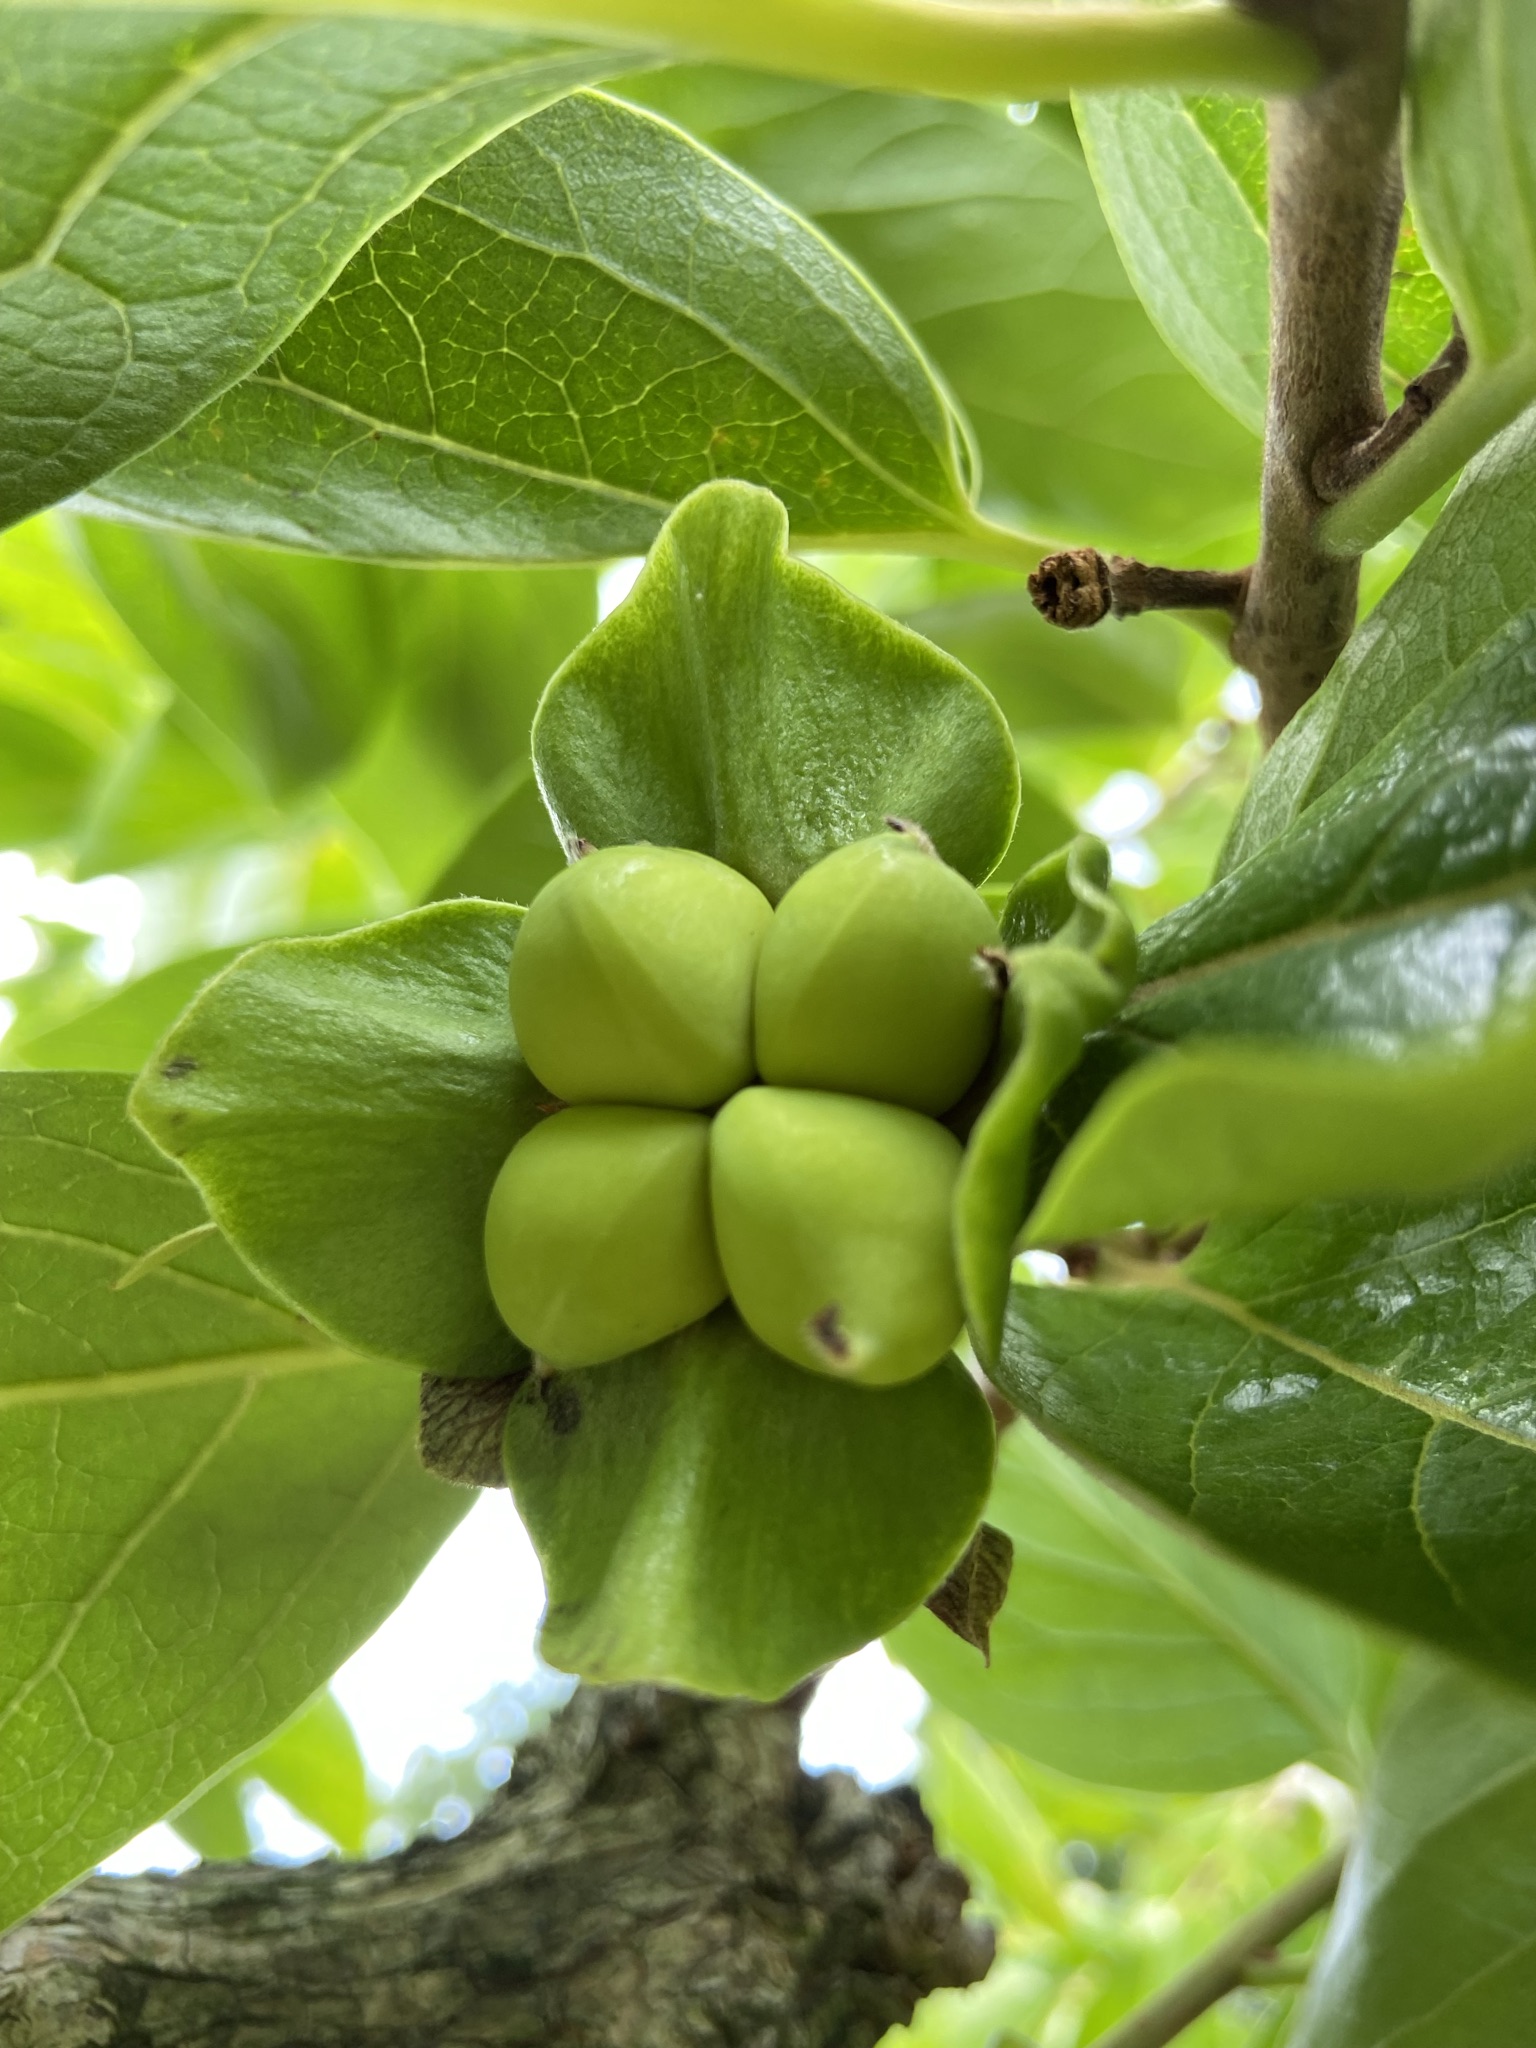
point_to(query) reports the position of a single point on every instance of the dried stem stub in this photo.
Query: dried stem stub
(1079, 587)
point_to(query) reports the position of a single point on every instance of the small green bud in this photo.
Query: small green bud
(598, 1237)
(832, 1214)
(631, 980)
(872, 979)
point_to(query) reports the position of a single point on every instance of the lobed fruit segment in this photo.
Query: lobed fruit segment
(631, 980)
(832, 1217)
(870, 980)
(598, 1238)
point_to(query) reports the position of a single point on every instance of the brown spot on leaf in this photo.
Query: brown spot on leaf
(178, 1068)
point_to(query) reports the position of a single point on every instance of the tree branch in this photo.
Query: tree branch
(1078, 587)
(1339, 471)
(1335, 205)
(658, 1873)
(1225, 1966)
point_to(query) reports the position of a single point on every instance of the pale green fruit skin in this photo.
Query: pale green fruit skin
(832, 1201)
(631, 980)
(869, 981)
(598, 1238)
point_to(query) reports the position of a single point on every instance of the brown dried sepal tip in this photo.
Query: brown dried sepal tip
(994, 961)
(1073, 589)
(969, 1600)
(909, 829)
(461, 1426)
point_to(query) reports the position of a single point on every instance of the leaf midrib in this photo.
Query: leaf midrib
(1516, 882)
(244, 40)
(126, 1384)
(654, 294)
(125, 1549)
(458, 450)
(1170, 1280)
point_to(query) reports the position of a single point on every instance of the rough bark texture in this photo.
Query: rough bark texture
(1335, 202)
(657, 1873)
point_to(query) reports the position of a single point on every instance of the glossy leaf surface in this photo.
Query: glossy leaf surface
(206, 1506)
(522, 365)
(1349, 1006)
(984, 232)
(180, 187)
(1341, 1393)
(1433, 1941)
(344, 1105)
(1475, 572)
(711, 1516)
(1127, 1654)
(745, 705)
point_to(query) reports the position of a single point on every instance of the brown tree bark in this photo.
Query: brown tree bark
(657, 1873)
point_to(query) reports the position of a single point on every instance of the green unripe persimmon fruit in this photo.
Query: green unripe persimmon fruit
(871, 980)
(598, 1238)
(632, 976)
(832, 1217)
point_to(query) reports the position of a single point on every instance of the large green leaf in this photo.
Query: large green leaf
(709, 1515)
(744, 704)
(522, 365)
(1127, 1654)
(1341, 1393)
(206, 1506)
(1475, 572)
(180, 187)
(1349, 1009)
(985, 234)
(1471, 162)
(1182, 182)
(1190, 229)
(344, 1104)
(1433, 1941)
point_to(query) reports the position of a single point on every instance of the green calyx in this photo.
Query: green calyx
(649, 984)
(598, 1238)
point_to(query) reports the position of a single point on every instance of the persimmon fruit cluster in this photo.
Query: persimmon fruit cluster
(745, 1104)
